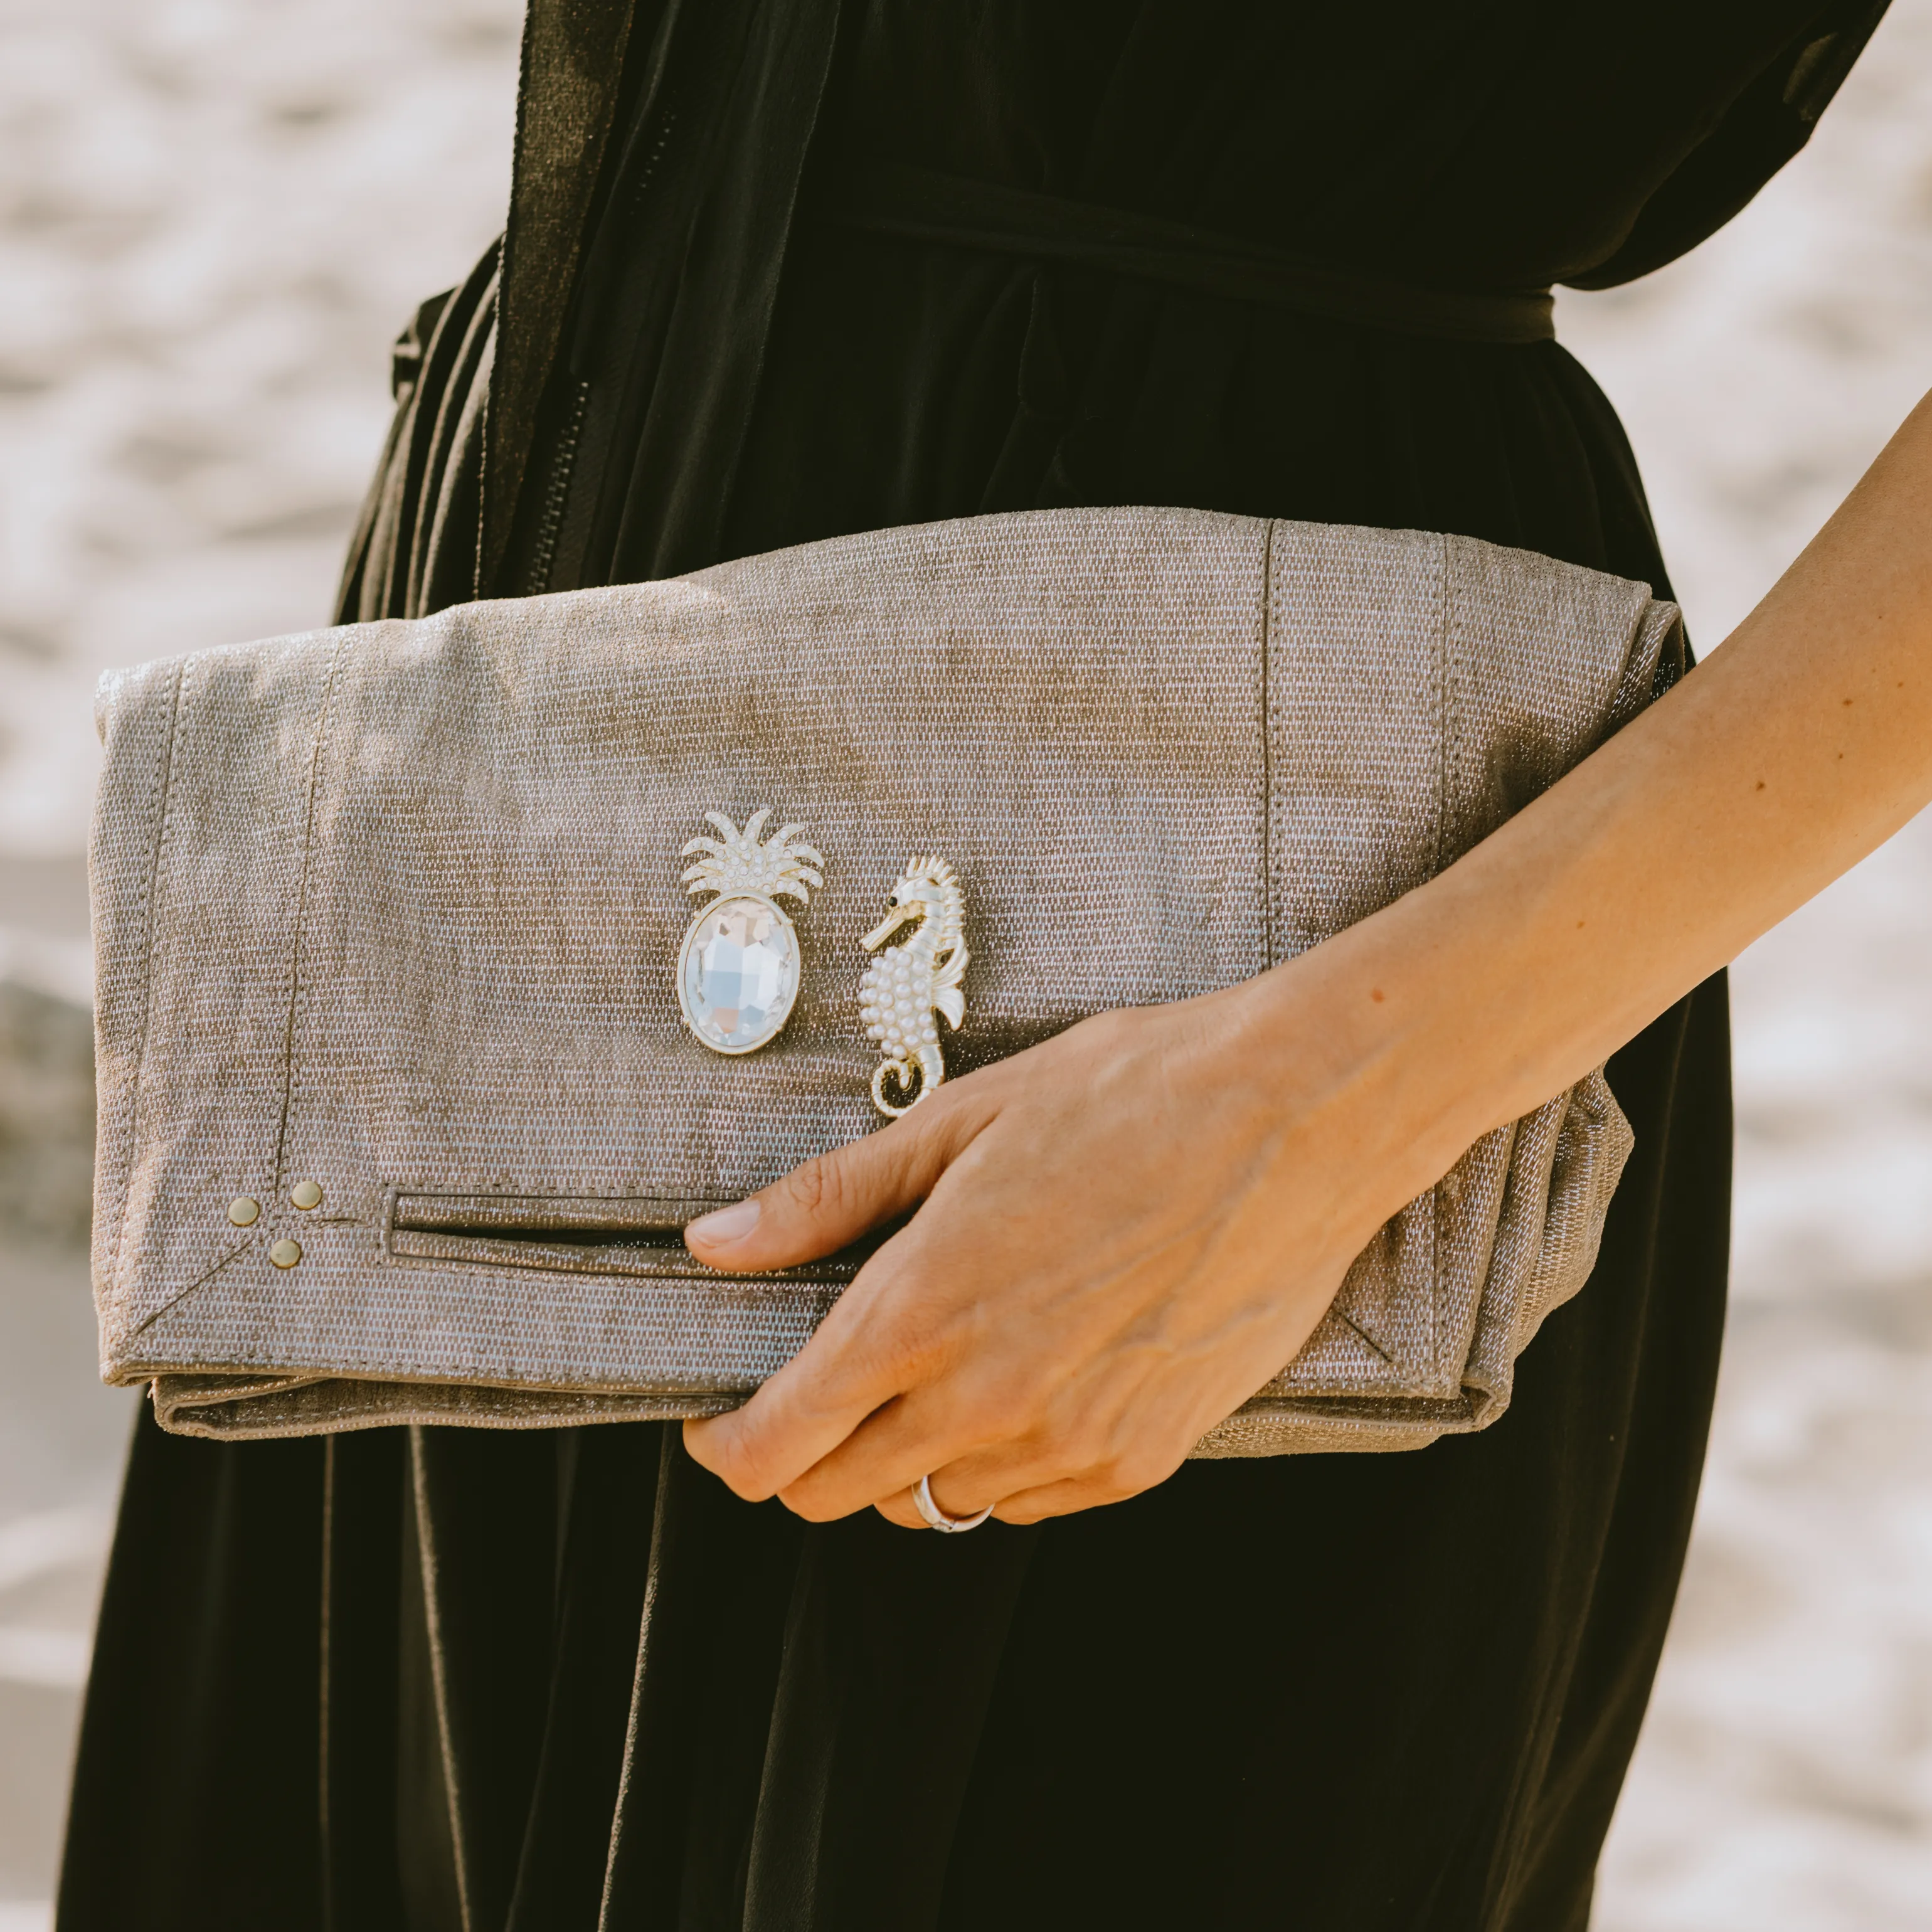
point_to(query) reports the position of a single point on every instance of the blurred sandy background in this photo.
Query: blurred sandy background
(213, 216)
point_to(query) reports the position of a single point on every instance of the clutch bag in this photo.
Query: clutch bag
(446, 967)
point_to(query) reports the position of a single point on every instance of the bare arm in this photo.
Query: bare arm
(1127, 1230)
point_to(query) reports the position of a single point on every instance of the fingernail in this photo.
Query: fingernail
(727, 1224)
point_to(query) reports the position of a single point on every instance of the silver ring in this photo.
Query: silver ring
(936, 1517)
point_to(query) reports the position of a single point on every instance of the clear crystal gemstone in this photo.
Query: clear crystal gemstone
(740, 974)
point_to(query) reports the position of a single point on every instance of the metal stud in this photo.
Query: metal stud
(286, 1253)
(244, 1212)
(306, 1194)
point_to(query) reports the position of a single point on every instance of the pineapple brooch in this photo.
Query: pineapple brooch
(738, 971)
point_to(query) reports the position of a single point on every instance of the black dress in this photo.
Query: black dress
(446, 1679)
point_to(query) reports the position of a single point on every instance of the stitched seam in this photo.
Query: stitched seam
(405, 1190)
(1349, 1321)
(150, 894)
(343, 1365)
(1267, 749)
(242, 1420)
(202, 1280)
(385, 1226)
(1448, 757)
(295, 989)
(1368, 1341)
(262, 1383)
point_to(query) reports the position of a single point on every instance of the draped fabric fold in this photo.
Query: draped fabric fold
(415, 544)
(922, 204)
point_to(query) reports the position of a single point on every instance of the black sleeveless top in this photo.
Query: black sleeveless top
(755, 291)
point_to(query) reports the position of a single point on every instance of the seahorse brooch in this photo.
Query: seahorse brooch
(909, 987)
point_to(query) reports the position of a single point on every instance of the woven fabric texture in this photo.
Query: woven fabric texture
(395, 909)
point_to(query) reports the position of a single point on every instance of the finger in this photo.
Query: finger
(972, 1450)
(853, 1367)
(757, 1451)
(897, 1508)
(819, 1208)
(901, 1507)
(890, 1448)
(902, 1368)
(1092, 1489)
(1067, 1497)
(1040, 1473)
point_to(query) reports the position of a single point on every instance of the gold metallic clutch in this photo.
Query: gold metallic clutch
(416, 1053)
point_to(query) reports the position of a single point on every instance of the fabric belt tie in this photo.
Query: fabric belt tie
(921, 205)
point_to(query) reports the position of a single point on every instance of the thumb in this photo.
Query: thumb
(832, 1200)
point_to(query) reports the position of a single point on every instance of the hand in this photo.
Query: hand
(1124, 1232)
(1127, 1230)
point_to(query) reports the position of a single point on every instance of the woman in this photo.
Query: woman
(775, 272)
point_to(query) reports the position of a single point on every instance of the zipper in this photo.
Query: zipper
(570, 435)
(556, 492)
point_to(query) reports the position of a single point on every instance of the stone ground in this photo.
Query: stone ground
(214, 214)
